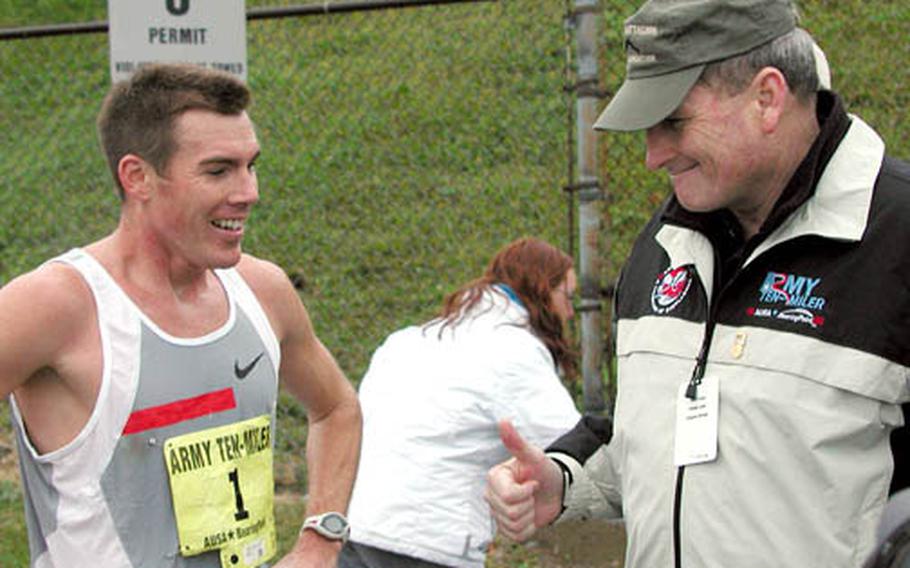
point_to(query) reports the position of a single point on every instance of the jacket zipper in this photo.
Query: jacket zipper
(677, 502)
(697, 374)
(701, 362)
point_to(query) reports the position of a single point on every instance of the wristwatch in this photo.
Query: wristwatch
(331, 525)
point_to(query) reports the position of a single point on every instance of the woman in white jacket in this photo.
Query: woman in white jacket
(432, 398)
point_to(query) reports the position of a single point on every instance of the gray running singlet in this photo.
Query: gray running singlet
(167, 416)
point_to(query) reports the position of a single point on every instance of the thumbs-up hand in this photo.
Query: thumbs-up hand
(524, 492)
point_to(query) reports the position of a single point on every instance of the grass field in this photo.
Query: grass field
(401, 149)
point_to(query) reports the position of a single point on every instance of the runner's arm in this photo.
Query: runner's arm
(50, 352)
(310, 373)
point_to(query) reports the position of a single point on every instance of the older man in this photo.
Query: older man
(763, 314)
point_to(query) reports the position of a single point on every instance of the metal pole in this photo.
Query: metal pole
(590, 200)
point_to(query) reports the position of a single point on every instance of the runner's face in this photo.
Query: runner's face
(208, 188)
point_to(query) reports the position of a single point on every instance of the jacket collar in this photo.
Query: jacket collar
(833, 125)
(839, 208)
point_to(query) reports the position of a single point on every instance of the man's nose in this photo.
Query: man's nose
(658, 146)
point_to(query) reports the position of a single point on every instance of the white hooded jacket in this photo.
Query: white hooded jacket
(431, 404)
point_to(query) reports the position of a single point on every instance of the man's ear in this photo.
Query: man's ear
(136, 177)
(771, 90)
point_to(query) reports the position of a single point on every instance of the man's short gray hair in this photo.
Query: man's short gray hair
(791, 53)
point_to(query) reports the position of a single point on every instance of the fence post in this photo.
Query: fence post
(590, 204)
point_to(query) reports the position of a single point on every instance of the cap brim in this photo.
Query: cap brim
(643, 102)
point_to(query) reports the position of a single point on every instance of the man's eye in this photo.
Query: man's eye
(674, 123)
(217, 172)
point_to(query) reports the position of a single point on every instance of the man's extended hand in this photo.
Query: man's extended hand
(525, 492)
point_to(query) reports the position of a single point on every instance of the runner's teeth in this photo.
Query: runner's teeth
(229, 224)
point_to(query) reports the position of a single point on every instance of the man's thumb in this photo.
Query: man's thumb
(520, 449)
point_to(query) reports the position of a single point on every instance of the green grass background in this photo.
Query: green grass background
(401, 149)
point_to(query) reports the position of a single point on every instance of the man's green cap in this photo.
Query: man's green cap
(669, 42)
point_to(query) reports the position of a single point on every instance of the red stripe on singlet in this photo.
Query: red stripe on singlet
(180, 410)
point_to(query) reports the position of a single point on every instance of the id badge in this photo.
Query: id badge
(696, 423)
(223, 492)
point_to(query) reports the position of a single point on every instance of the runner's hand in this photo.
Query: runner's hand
(311, 551)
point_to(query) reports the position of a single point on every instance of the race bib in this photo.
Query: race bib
(223, 491)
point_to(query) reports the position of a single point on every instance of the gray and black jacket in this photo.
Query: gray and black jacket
(806, 327)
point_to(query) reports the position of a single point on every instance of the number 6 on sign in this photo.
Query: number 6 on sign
(223, 492)
(178, 8)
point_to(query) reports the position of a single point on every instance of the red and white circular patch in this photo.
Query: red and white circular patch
(670, 288)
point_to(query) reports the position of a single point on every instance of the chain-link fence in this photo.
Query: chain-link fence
(401, 147)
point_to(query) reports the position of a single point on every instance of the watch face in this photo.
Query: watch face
(334, 523)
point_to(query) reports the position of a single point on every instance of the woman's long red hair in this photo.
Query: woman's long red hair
(533, 269)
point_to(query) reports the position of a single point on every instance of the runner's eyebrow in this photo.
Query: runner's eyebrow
(224, 160)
